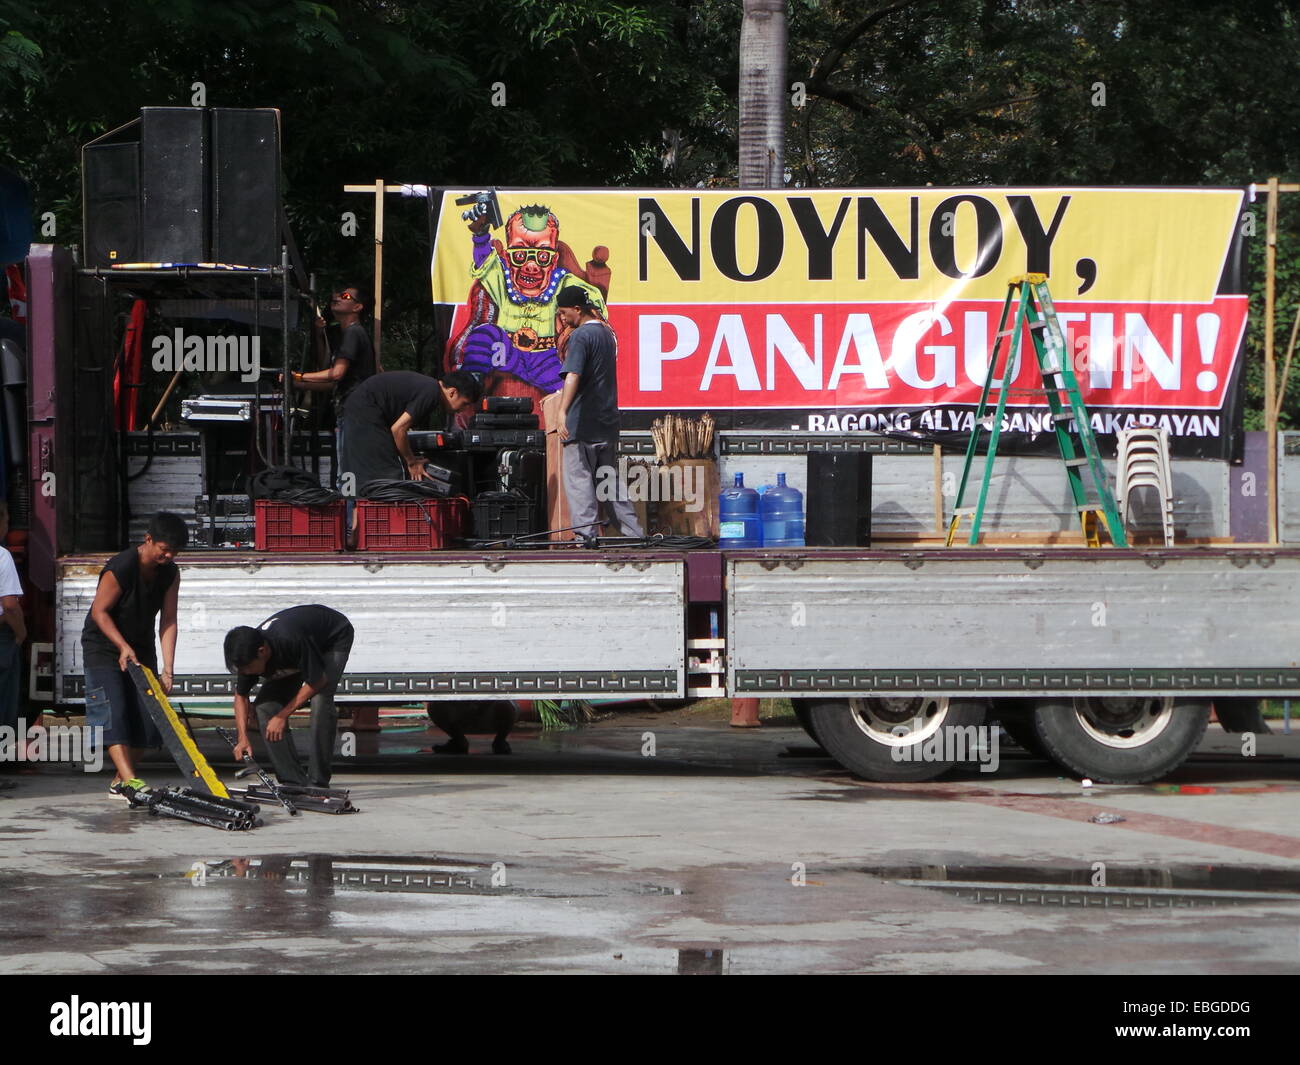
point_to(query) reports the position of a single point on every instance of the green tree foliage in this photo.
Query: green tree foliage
(474, 93)
(598, 92)
(1109, 92)
(1021, 91)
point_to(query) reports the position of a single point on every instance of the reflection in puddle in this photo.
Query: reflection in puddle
(700, 962)
(359, 874)
(1103, 885)
(324, 873)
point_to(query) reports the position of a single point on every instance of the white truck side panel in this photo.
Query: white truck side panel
(944, 623)
(429, 629)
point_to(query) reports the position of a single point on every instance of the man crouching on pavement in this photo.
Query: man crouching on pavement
(300, 655)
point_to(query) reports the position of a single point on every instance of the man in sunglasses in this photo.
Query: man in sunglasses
(353, 362)
(353, 358)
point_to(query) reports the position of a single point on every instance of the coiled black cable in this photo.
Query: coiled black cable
(288, 484)
(310, 496)
(675, 543)
(658, 541)
(386, 491)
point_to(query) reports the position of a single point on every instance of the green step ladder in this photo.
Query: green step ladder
(1033, 309)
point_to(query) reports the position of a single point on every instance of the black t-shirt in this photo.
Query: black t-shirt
(135, 613)
(592, 355)
(385, 397)
(356, 349)
(300, 637)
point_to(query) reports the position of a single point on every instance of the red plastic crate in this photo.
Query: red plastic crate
(298, 526)
(425, 526)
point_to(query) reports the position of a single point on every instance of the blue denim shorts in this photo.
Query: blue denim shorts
(113, 704)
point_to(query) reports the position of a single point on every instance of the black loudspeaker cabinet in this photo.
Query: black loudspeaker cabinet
(524, 470)
(174, 199)
(507, 404)
(504, 421)
(110, 202)
(839, 499)
(246, 186)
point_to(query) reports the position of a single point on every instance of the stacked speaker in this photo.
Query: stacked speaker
(184, 185)
(839, 499)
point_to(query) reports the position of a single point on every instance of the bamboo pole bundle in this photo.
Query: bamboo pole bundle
(678, 437)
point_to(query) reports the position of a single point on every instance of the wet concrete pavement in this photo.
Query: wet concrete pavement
(728, 851)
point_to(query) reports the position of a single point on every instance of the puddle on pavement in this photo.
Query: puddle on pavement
(1103, 885)
(437, 876)
(708, 962)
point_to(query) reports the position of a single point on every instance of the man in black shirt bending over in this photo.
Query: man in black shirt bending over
(299, 655)
(382, 410)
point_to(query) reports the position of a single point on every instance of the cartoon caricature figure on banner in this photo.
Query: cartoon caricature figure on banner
(832, 311)
(514, 336)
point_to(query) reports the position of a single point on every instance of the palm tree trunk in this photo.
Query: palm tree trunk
(762, 95)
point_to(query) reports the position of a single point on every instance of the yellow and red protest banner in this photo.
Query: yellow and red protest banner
(861, 309)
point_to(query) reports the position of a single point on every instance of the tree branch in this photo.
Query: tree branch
(844, 97)
(831, 57)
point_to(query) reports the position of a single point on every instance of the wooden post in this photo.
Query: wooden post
(939, 525)
(1270, 368)
(377, 190)
(1286, 366)
(163, 402)
(1272, 402)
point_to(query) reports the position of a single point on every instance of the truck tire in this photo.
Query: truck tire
(1016, 716)
(803, 712)
(1121, 740)
(1021, 731)
(1237, 714)
(863, 734)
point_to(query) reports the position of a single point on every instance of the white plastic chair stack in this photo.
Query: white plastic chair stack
(1143, 462)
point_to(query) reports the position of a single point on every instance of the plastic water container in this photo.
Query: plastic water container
(782, 513)
(739, 522)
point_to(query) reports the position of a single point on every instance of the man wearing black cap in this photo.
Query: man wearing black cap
(589, 417)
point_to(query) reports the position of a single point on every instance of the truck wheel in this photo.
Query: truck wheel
(1021, 730)
(1121, 740)
(1236, 714)
(803, 712)
(868, 736)
(1016, 716)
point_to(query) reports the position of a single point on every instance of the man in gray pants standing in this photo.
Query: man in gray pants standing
(299, 655)
(589, 418)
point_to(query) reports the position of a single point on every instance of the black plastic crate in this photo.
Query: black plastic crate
(502, 518)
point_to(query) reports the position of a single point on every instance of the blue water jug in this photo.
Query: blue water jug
(782, 513)
(739, 523)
